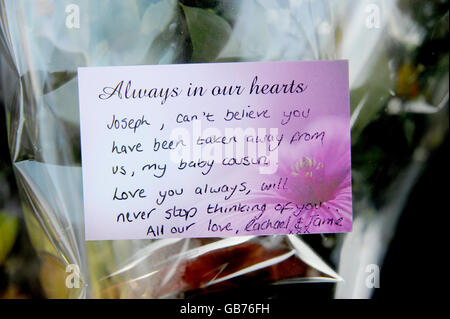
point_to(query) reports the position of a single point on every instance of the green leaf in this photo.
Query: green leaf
(9, 228)
(170, 41)
(55, 80)
(157, 17)
(209, 33)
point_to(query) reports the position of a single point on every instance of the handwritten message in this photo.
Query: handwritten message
(215, 150)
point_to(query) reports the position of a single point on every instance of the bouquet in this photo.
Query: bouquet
(399, 105)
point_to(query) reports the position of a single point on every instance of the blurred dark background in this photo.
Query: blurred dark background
(19, 264)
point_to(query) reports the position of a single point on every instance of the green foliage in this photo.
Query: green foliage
(9, 227)
(170, 42)
(209, 33)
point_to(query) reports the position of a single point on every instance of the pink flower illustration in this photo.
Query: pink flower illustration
(316, 176)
